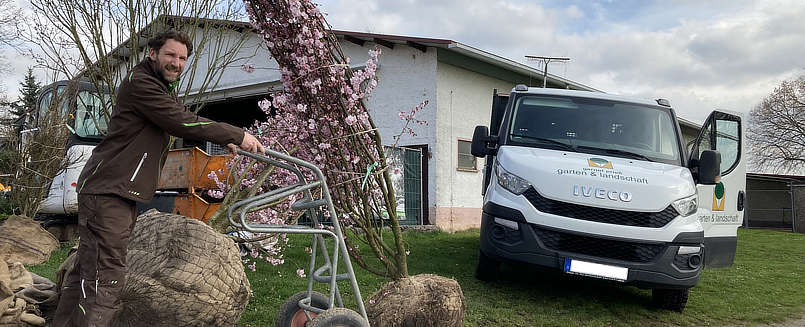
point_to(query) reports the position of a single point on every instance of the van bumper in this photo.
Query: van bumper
(650, 264)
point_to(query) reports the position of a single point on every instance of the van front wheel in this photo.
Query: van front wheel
(487, 268)
(670, 299)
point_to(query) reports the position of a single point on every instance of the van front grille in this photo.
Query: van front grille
(601, 215)
(598, 247)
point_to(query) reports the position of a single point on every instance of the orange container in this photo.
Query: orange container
(187, 169)
(193, 206)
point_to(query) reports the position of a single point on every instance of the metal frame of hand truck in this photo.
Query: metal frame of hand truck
(307, 203)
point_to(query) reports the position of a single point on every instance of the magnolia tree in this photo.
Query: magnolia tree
(320, 116)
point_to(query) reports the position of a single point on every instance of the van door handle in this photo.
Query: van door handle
(741, 197)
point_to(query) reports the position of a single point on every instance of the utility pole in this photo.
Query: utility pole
(545, 62)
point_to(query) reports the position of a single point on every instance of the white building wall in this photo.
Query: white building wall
(234, 81)
(406, 78)
(464, 101)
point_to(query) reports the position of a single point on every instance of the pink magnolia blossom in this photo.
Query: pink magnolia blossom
(351, 120)
(249, 68)
(264, 105)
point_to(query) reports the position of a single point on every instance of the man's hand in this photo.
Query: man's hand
(249, 143)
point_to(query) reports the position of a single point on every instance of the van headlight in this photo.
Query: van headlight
(509, 181)
(686, 206)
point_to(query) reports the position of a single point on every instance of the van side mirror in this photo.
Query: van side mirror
(480, 142)
(709, 167)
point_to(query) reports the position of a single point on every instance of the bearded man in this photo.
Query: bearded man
(124, 169)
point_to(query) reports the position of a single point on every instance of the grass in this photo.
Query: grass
(51, 267)
(764, 285)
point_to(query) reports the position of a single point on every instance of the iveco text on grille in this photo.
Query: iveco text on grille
(601, 193)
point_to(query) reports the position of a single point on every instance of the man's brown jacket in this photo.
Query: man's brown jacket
(129, 159)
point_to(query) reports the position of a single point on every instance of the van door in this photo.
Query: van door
(721, 205)
(499, 103)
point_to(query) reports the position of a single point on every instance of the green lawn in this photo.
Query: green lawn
(49, 268)
(765, 285)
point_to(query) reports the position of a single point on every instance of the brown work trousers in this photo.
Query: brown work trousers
(90, 294)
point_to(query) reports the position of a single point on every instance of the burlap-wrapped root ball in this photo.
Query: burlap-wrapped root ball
(417, 301)
(182, 273)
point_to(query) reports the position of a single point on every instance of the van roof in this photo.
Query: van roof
(586, 94)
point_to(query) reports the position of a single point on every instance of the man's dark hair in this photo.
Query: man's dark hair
(158, 40)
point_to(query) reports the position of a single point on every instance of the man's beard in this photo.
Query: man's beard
(164, 70)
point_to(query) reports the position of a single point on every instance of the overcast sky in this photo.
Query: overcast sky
(701, 55)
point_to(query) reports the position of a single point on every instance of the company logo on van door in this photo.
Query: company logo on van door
(603, 169)
(718, 216)
(588, 191)
(719, 197)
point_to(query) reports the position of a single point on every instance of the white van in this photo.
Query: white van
(603, 186)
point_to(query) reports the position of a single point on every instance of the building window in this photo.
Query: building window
(466, 161)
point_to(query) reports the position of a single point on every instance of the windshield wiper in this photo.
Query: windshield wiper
(547, 140)
(617, 152)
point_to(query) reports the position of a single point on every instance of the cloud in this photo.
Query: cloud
(489, 22)
(16, 66)
(725, 61)
(700, 55)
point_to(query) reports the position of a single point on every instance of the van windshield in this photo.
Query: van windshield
(595, 126)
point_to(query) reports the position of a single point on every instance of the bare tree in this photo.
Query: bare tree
(8, 18)
(100, 41)
(9, 15)
(38, 158)
(777, 129)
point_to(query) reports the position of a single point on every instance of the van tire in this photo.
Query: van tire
(487, 268)
(670, 299)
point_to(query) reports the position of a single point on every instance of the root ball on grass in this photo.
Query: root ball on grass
(182, 273)
(421, 301)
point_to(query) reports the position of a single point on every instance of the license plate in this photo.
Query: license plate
(584, 268)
